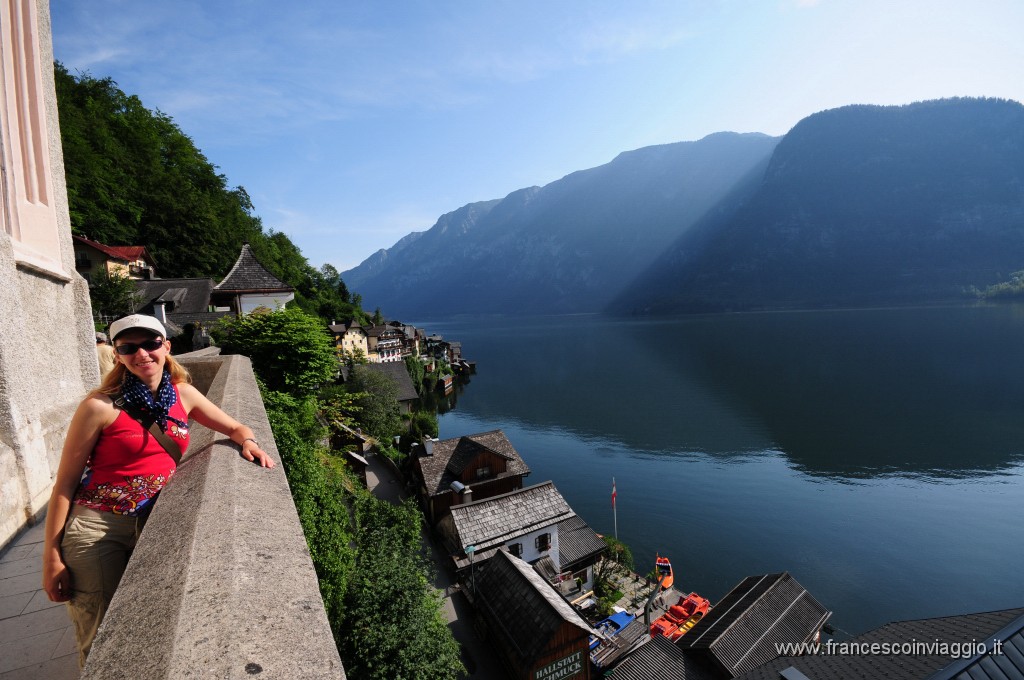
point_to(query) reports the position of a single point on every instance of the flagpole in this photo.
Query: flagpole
(615, 510)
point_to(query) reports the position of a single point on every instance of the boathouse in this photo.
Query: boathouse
(743, 631)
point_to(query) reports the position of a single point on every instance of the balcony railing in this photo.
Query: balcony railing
(221, 583)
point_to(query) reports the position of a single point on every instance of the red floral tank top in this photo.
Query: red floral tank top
(128, 466)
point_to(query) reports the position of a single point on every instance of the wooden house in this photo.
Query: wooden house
(474, 467)
(537, 634)
(133, 262)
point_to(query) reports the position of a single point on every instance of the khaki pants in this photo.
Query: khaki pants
(96, 548)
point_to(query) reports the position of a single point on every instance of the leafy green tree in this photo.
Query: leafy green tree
(422, 424)
(290, 350)
(617, 558)
(337, 405)
(112, 295)
(394, 616)
(416, 372)
(380, 416)
(355, 357)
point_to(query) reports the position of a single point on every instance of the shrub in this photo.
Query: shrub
(290, 350)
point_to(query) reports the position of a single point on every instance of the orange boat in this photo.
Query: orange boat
(681, 617)
(664, 568)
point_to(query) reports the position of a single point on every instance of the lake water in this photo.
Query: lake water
(876, 455)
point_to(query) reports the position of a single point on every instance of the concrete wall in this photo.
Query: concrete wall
(221, 583)
(47, 352)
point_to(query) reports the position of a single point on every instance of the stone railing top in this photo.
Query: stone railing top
(221, 583)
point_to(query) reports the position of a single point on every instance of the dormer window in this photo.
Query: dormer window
(483, 472)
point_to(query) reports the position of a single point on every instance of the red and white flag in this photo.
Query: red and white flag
(613, 492)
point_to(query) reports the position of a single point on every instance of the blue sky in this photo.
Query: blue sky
(352, 123)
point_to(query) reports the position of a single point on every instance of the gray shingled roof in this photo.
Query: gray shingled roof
(661, 659)
(1002, 662)
(742, 631)
(438, 475)
(524, 610)
(577, 542)
(950, 629)
(496, 520)
(249, 276)
(397, 371)
(188, 296)
(377, 331)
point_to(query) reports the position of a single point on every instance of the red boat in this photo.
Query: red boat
(664, 568)
(681, 617)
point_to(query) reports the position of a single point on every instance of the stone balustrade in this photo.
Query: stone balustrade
(221, 583)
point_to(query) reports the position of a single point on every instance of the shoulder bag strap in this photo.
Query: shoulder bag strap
(169, 446)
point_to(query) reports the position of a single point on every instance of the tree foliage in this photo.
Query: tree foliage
(396, 628)
(618, 558)
(320, 499)
(290, 350)
(112, 295)
(416, 371)
(381, 416)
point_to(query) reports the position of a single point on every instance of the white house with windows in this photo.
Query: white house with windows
(535, 524)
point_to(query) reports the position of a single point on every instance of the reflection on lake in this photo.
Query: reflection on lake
(877, 455)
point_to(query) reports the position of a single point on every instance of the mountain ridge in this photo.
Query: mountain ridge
(567, 246)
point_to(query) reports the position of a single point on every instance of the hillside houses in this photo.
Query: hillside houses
(181, 302)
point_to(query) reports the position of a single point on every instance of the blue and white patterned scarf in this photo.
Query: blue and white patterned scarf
(136, 393)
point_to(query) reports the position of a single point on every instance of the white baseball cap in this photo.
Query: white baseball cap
(150, 323)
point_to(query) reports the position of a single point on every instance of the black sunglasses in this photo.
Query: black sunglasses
(131, 347)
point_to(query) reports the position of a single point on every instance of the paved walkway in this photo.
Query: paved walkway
(36, 636)
(479, 659)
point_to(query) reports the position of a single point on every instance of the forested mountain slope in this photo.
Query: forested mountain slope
(862, 205)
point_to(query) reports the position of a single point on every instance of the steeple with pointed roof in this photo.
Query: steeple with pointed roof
(249, 276)
(250, 285)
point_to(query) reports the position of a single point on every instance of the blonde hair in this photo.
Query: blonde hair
(111, 385)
